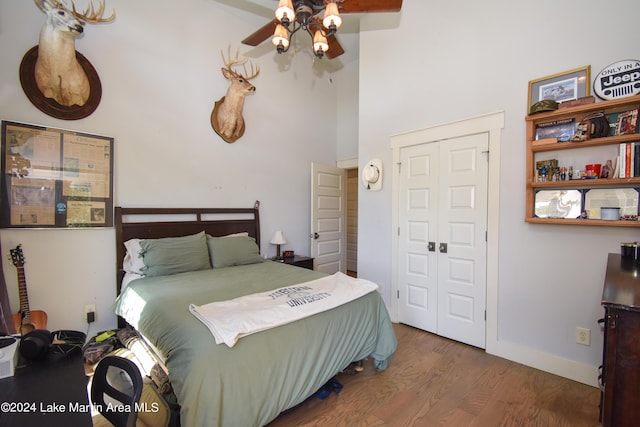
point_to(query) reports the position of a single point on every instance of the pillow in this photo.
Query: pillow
(172, 255)
(132, 262)
(244, 233)
(233, 250)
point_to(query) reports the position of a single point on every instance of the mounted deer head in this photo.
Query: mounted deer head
(58, 74)
(226, 117)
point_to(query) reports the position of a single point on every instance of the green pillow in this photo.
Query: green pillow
(172, 255)
(233, 250)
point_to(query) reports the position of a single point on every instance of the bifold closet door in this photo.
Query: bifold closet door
(442, 237)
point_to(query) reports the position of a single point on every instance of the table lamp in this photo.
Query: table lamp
(278, 239)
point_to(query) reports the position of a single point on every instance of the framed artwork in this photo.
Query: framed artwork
(55, 178)
(627, 122)
(624, 198)
(558, 203)
(566, 86)
(563, 130)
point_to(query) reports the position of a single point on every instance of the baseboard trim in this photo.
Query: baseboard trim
(576, 371)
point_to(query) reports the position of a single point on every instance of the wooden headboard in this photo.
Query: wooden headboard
(154, 223)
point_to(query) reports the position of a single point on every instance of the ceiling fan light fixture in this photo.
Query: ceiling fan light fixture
(284, 12)
(332, 19)
(280, 38)
(309, 16)
(320, 45)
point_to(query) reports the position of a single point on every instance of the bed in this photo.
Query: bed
(263, 374)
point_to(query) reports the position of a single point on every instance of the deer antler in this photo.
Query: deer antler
(91, 14)
(232, 62)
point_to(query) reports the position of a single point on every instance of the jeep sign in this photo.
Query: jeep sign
(618, 80)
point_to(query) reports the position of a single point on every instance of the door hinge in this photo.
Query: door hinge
(485, 315)
(398, 294)
(399, 166)
(398, 231)
(486, 236)
(487, 153)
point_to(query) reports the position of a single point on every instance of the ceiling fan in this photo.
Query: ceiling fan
(305, 17)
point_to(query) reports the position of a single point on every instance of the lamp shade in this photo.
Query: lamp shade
(280, 36)
(285, 10)
(278, 238)
(320, 43)
(331, 16)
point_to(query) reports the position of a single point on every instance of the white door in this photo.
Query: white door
(328, 218)
(442, 243)
(418, 216)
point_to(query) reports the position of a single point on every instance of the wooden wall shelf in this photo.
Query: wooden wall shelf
(576, 113)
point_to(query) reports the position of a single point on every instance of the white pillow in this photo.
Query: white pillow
(133, 262)
(242, 234)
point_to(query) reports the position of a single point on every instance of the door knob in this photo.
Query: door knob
(431, 246)
(316, 236)
(443, 248)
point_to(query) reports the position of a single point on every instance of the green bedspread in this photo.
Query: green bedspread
(264, 373)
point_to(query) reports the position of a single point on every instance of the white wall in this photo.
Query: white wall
(347, 105)
(159, 64)
(444, 61)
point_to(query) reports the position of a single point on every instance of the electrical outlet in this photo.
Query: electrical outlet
(90, 312)
(90, 308)
(583, 336)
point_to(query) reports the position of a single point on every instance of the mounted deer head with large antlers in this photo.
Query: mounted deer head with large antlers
(226, 117)
(58, 74)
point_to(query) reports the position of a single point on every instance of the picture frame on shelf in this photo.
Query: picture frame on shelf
(624, 198)
(546, 169)
(627, 122)
(561, 203)
(566, 86)
(563, 130)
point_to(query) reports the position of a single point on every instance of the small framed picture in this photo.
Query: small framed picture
(563, 130)
(566, 86)
(627, 122)
(558, 203)
(624, 198)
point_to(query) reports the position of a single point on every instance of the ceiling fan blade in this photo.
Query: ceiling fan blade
(261, 34)
(364, 6)
(335, 49)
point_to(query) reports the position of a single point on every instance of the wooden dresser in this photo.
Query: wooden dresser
(620, 378)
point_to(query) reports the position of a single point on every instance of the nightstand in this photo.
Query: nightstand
(298, 261)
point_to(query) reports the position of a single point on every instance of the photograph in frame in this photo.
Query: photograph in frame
(561, 87)
(627, 122)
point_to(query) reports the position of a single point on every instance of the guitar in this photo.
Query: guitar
(25, 320)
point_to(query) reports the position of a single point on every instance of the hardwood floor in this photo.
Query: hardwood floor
(435, 381)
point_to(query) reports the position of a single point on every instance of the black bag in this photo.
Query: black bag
(592, 126)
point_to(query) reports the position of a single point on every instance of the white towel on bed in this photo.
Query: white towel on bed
(231, 320)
